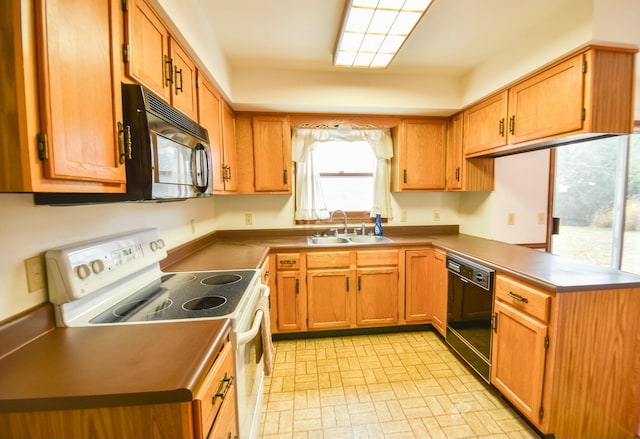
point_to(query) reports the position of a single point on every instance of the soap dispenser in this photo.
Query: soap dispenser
(377, 229)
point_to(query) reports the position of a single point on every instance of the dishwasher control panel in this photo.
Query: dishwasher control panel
(470, 271)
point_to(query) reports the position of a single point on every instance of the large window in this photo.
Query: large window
(346, 175)
(342, 169)
(597, 201)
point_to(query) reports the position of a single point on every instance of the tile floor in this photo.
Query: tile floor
(403, 385)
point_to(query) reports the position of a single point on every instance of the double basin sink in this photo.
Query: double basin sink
(347, 240)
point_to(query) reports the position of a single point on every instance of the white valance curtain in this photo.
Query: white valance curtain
(310, 203)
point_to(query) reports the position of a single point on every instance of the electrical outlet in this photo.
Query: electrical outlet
(436, 215)
(192, 223)
(511, 218)
(35, 273)
(542, 218)
(248, 219)
(403, 216)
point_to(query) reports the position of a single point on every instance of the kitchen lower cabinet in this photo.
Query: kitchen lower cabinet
(556, 357)
(520, 341)
(211, 414)
(418, 300)
(330, 290)
(518, 359)
(377, 287)
(51, 138)
(439, 290)
(290, 292)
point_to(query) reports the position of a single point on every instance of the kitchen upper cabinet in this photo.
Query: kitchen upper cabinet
(217, 117)
(330, 290)
(585, 95)
(53, 140)
(155, 59)
(230, 163)
(184, 81)
(485, 125)
(419, 157)
(291, 292)
(147, 46)
(465, 174)
(272, 154)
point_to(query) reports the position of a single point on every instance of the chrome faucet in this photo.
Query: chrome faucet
(345, 219)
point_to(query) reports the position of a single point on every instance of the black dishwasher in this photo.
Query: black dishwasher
(469, 313)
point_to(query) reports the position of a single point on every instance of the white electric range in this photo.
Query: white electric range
(117, 280)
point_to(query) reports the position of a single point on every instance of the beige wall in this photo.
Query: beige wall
(27, 230)
(521, 190)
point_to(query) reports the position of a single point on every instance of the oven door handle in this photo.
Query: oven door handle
(245, 337)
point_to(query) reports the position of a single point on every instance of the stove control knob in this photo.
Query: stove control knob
(157, 244)
(97, 266)
(83, 271)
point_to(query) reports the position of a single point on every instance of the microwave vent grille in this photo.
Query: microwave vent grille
(161, 109)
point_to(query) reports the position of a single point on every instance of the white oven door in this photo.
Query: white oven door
(249, 369)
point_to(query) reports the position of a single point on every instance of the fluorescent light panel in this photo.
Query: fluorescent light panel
(374, 30)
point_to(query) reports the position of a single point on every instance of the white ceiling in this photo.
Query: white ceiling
(276, 55)
(452, 38)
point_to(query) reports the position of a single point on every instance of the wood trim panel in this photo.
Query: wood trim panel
(154, 421)
(596, 385)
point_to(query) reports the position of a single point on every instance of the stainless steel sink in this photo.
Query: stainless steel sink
(369, 239)
(346, 240)
(320, 240)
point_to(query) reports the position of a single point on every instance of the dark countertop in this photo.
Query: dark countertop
(110, 365)
(547, 271)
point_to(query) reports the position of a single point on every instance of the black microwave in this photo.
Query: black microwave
(170, 155)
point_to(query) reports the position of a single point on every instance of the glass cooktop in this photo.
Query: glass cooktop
(182, 296)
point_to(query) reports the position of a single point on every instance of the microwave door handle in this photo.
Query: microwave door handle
(200, 152)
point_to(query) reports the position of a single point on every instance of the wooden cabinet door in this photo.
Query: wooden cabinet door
(230, 161)
(290, 301)
(80, 96)
(271, 154)
(377, 296)
(210, 117)
(548, 104)
(184, 81)
(329, 294)
(421, 154)
(485, 125)
(225, 424)
(418, 295)
(518, 359)
(439, 287)
(147, 40)
(455, 157)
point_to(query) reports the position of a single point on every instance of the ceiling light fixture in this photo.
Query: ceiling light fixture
(373, 31)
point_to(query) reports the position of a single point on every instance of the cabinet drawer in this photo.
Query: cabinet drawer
(523, 297)
(288, 261)
(215, 390)
(376, 257)
(225, 425)
(328, 259)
